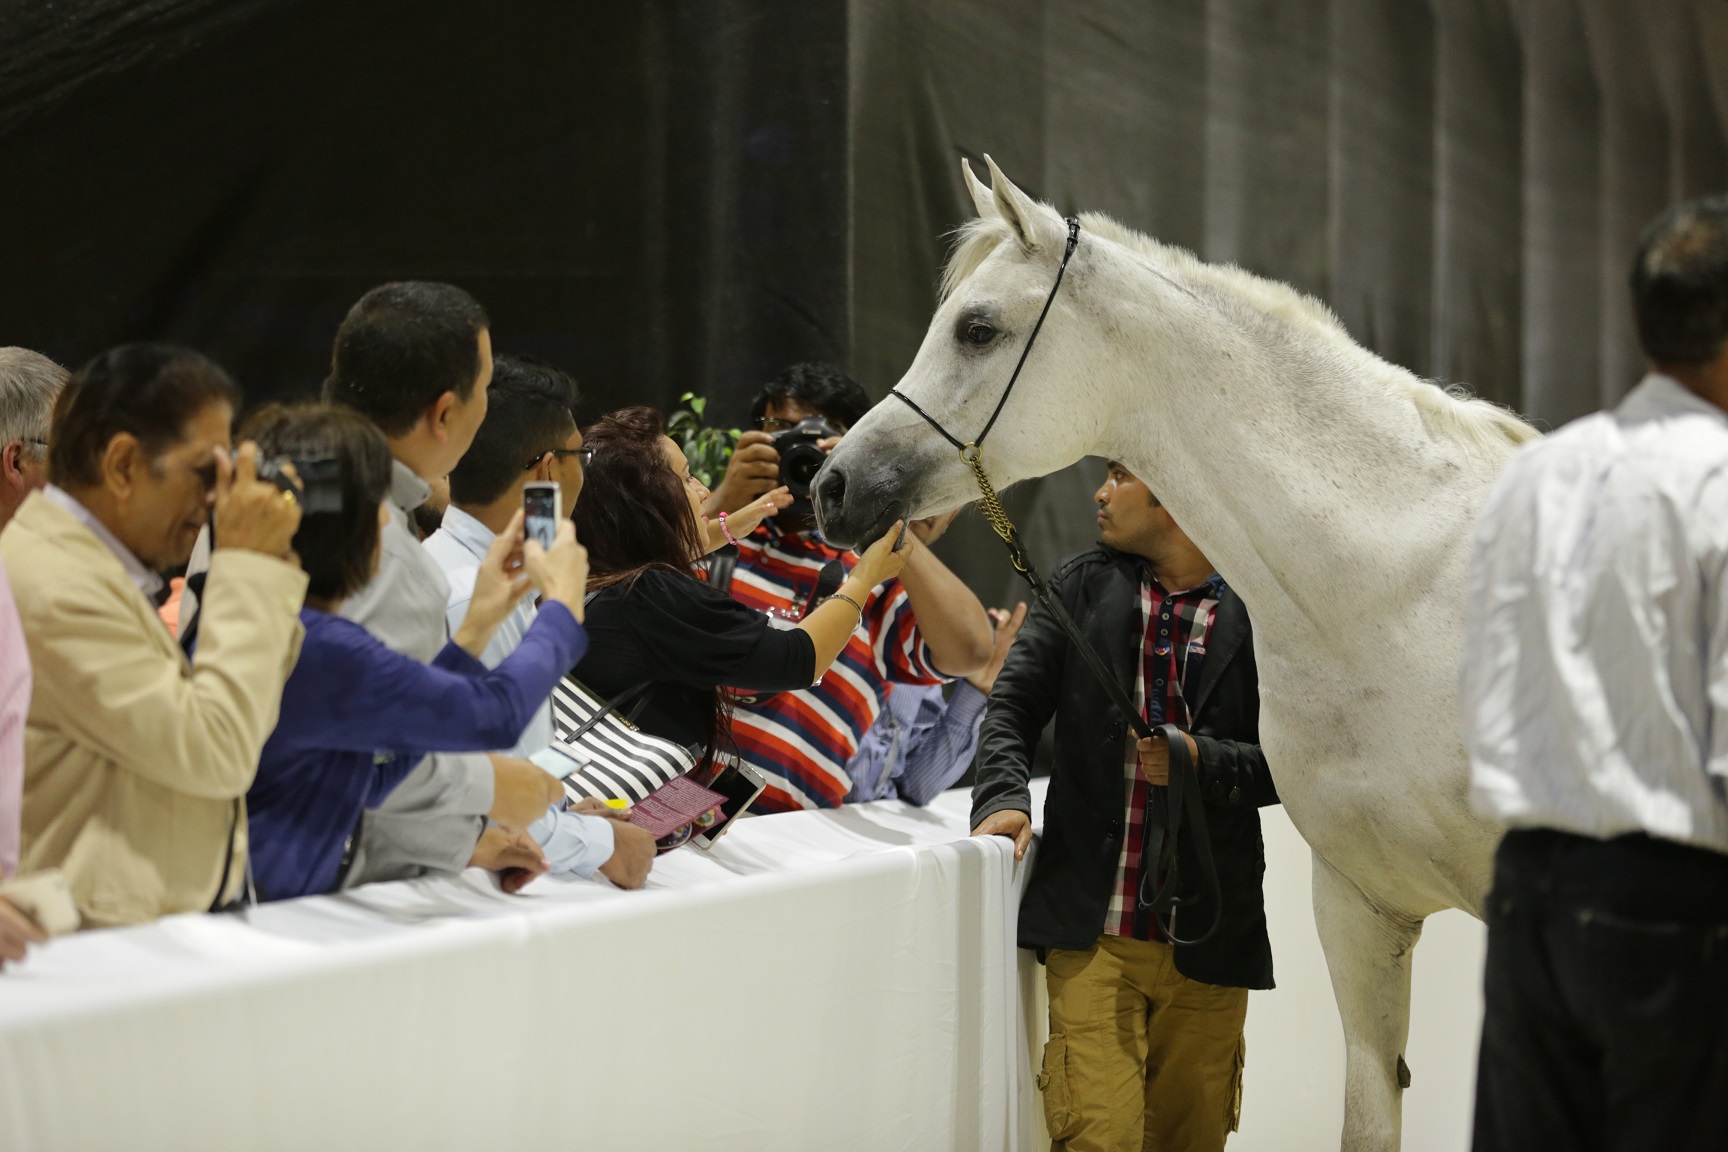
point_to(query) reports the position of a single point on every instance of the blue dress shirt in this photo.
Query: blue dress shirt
(356, 717)
(919, 745)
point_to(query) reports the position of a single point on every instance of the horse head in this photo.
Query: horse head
(894, 463)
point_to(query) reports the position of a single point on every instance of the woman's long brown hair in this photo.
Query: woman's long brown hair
(634, 516)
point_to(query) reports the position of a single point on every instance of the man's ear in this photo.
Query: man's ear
(12, 464)
(543, 466)
(438, 415)
(123, 464)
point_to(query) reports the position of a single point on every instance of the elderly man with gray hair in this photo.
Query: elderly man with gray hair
(29, 385)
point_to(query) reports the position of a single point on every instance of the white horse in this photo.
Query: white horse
(1334, 491)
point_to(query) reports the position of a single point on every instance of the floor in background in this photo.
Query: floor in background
(1294, 1095)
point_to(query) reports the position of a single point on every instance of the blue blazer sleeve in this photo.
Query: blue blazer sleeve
(350, 693)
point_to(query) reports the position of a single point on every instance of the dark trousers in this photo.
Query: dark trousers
(1607, 996)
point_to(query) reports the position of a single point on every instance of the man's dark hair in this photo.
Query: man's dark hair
(1680, 283)
(336, 549)
(528, 413)
(152, 391)
(401, 347)
(822, 386)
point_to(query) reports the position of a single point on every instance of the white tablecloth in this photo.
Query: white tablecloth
(836, 980)
(839, 980)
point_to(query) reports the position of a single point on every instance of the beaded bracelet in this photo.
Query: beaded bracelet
(727, 532)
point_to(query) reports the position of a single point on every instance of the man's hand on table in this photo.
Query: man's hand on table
(632, 854)
(1009, 822)
(17, 932)
(512, 855)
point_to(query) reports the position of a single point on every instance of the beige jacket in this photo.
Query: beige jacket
(136, 762)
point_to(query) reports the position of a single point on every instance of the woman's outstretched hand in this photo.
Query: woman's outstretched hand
(881, 561)
(747, 519)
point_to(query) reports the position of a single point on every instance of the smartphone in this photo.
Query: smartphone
(740, 784)
(542, 508)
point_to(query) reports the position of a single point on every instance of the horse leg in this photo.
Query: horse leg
(1368, 953)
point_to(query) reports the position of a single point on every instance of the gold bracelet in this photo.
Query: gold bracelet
(848, 599)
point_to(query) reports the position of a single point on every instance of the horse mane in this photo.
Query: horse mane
(1451, 412)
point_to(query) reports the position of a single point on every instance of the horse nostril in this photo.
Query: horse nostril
(832, 489)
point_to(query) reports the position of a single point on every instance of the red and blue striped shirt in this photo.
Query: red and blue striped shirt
(800, 741)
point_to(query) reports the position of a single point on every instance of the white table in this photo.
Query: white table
(835, 980)
(838, 980)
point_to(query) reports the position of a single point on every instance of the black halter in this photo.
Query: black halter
(1183, 793)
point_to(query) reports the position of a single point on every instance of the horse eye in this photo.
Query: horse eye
(979, 332)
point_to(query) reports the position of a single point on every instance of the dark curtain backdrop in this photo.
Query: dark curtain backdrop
(686, 195)
(1462, 180)
(651, 194)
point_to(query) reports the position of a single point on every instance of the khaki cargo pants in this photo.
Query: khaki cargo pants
(1140, 1056)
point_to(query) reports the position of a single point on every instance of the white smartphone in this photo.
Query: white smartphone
(44, 897)
(740, 784)
(542, 508)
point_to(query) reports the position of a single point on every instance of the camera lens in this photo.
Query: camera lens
(799, 464)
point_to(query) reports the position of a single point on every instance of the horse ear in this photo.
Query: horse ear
(981, 198)
(1013, 206)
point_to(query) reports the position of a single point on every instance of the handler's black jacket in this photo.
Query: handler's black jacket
(1074, 870)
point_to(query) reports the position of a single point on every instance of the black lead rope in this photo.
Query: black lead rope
(1181, 797)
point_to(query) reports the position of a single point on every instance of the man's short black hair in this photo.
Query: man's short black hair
(336, 549)
(401, 347)
(152, 391)
(1680, 284)
(822, 386)
(529, 412)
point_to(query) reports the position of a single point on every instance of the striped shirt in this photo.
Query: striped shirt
(1172, 652)
(800, 741)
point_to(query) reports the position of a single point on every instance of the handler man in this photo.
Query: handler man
(1146, 1042)
(1595, 703)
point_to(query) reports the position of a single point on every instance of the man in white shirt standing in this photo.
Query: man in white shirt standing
(1595, 700)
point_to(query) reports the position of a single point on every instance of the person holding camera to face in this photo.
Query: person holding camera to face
(925, 627)
(138, 758)
(357, 716)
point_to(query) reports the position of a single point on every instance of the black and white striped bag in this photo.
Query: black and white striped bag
(609, 757)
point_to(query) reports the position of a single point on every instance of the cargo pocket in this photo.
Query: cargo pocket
(1235, 1116)
(1059, 1114)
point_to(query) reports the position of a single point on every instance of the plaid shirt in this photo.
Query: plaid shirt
(1172, 653)
(801, 741)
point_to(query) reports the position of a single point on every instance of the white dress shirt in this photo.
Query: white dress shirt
(1594, 689)
(572, 843)
(458, 546)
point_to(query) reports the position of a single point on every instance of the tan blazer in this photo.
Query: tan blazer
(136, 763)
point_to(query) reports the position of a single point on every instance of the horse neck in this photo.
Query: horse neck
(1314, 488)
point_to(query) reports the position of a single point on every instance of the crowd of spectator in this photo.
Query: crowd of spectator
(321, 651)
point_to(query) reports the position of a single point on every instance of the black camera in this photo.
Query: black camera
(800, 459)
(320, 487)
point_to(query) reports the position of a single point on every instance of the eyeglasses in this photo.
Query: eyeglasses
(583, 456)
(773, 424)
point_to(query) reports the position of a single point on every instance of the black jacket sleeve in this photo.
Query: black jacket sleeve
(1233, 774)
(1021, 704)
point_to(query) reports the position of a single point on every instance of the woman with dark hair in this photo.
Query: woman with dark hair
(356, 717)
(654, 619)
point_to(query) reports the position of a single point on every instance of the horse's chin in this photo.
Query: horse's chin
(855, 529)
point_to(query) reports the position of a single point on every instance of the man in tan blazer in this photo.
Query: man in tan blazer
(136, 760)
